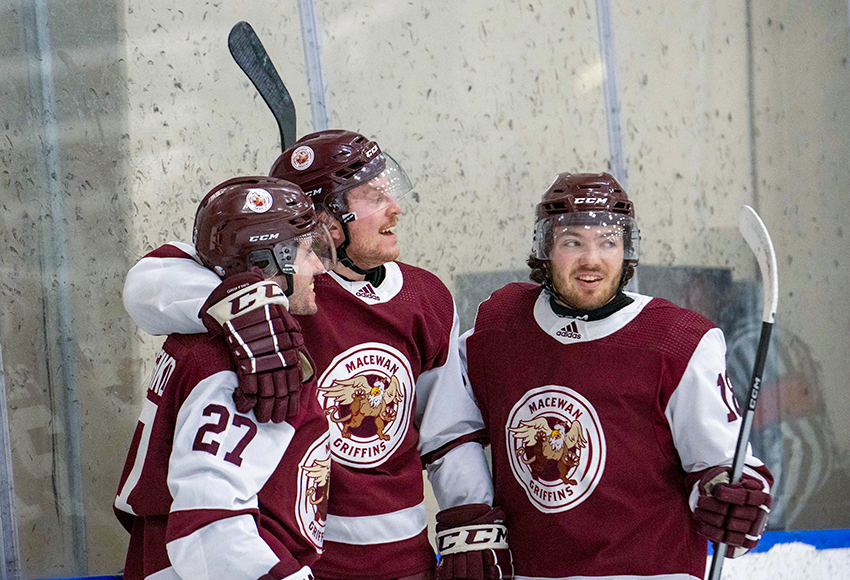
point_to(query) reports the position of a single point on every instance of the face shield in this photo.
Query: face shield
(375, 189)
(307, 255)
(610, 231)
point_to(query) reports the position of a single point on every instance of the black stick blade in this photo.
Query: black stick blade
(251, 56)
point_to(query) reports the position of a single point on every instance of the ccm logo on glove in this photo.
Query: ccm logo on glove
(466, 538)
(246, 300)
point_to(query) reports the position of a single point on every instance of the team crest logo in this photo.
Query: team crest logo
(556, 447)
(302, 158)
(367, 393)
(258, 200)
(311, 508)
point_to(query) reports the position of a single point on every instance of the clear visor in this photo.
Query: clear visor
(578, 231)
(307, 255)
(389, 187)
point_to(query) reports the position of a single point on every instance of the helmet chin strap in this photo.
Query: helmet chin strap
(373, 275)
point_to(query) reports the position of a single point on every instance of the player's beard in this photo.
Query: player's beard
(303, 298)
(575, 296)
(370, 248)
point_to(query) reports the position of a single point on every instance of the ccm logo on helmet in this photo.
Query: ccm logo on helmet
(264, 237)
(313, 192)
(579, 200)
(372, 150)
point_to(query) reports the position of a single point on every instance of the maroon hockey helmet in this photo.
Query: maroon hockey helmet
(328, 164)
(585, 199)
(262, 222)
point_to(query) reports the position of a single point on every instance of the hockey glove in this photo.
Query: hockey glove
(732, 513)
(265, 342)
(472, 542)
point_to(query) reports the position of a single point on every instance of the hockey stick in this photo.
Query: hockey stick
(757, 238)
(252, 58)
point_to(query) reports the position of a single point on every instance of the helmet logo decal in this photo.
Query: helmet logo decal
(302, 157)
(372, 150)
(556, 447)
(258, 200)
(367, 394)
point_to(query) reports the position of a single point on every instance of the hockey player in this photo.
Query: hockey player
(206, 492)
(390, 380)
(612, 422)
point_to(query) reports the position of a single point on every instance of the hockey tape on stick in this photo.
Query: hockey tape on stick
(471, 538)
(251, 56)
(758, 239)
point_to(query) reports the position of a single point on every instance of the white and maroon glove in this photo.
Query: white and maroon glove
(473, 543)
(265, 342)
(732, 513)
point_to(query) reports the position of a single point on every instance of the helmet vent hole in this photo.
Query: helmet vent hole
(347, 172)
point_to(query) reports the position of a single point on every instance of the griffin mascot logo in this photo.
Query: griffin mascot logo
(556, 447)
(311, 509)
(367, 393)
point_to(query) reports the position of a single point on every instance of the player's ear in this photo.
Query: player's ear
(334, 227)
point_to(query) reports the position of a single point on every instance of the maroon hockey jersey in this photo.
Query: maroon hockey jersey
(206, 491)
(376, 362)
(594, 427)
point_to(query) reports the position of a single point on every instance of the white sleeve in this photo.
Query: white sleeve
(464, 364)
(446, 411)
(220, 460)
(164, 295)
(461, 476)
(702, 413)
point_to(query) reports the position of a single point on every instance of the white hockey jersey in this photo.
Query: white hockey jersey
(206, 492)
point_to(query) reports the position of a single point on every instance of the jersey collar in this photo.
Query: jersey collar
(570, 330)
(370, 293)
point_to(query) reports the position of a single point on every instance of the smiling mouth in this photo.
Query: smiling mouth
(590, 278)
(386, 232)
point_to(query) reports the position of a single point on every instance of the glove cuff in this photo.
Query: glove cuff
(471, 538)
(242, 300)
(471, 527)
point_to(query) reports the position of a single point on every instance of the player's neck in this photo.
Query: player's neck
(348, 273)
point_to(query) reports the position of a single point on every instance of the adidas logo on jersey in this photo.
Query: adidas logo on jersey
(368, 292)
(570, 331)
